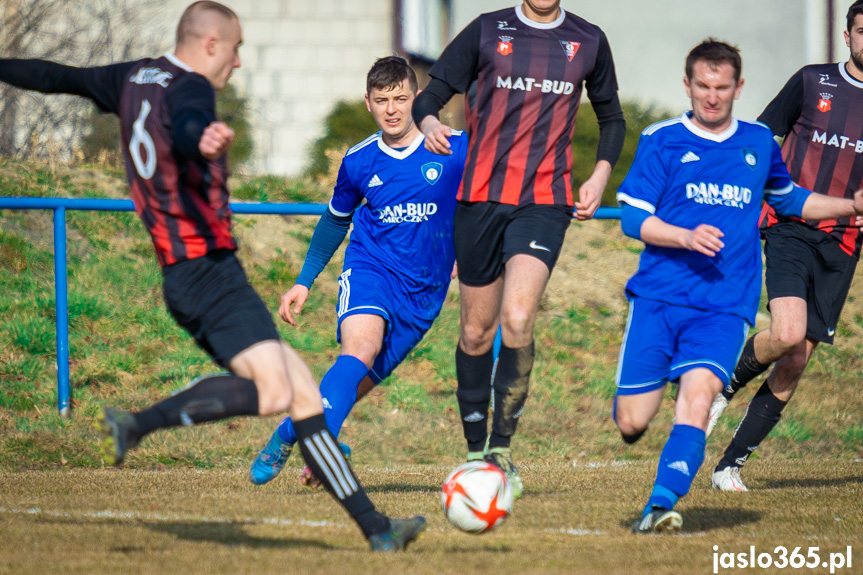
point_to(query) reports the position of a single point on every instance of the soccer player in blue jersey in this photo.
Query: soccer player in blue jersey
(400, 256)
(693, 196)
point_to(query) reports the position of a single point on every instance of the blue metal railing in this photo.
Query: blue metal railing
(61, 286)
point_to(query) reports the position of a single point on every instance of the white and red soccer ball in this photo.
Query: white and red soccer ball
(476, 497)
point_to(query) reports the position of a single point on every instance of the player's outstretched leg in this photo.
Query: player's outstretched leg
(208, 398)
(339, 392)
(681, 458)
(511, 384)
(327, 462)
(762, 415)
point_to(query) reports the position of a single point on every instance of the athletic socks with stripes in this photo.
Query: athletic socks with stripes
(762, 415)
(325, 459)
(681, 458)
(209, 398)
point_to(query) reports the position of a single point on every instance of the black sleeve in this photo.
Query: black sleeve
(612, 129)
(192, 103)
(102, 84)
(601, 84)
(782, 113)
(452, 74)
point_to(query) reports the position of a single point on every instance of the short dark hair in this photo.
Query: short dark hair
(715, 52)
(184, 27)
(389, 72)
(855, 10)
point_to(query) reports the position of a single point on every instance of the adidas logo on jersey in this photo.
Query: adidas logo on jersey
(680, 466)
(326, 403)
(375, 181)
(689, 157)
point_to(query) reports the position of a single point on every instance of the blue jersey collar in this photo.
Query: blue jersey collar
(720, 137)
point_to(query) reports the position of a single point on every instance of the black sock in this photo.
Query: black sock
(474, 373)
(208, 398)
(748, 368)
(630, 439)
(511, 383)
(762, 415)
(323, 456)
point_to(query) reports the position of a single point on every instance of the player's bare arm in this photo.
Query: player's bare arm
(293, 300)
(436, 136)
(821, 207)
(590, 192)
(216, 140)
(704, 239)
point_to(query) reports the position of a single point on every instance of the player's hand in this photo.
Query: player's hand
(296, 297)
(590, 192)
(454, 274)
(858, 207)
(705, 240)
(437, 136)
(216, 140)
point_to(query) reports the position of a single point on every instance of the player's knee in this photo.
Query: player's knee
(518, 322)
(629, 425)
(274, 397)
(476, 339)
(786, 339)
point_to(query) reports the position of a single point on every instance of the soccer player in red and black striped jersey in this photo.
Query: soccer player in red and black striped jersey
(810, 264)
(175, 153)
(522, 70)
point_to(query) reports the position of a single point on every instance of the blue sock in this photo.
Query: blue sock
(681, 458)
(339, 391)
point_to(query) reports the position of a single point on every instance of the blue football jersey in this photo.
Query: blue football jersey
(687, 176)
(405, 225)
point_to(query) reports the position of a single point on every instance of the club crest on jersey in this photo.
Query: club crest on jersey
(824, 102)
(750, 157)
(569, 48)
(505, 45)
(432, 172)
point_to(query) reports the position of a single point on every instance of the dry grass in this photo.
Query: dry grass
(573, 518)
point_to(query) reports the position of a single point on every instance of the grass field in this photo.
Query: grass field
(183, 503)
(573, 519)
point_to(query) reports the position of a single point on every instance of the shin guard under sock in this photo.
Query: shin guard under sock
(475, 373)
(748, 368)
(208, 398)
(511, 383)
(762, 415)
(325, 459)
(681, 458)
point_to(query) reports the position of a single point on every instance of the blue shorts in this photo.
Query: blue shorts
(369, 291)
(664, 341)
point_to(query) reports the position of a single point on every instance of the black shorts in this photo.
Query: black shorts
(211, 298)
(809, 264)
(488, 234)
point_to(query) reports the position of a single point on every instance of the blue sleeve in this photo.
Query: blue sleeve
(647, 178)
(631, 219)
(779, 191)
(346, 196)
(328, 236)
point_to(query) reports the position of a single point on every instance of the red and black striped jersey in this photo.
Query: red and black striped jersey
(820, 114)
(182, 201)
(523, 82)
(163, 108)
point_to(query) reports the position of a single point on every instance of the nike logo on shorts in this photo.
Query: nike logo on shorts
(830, 332)
(536, 246)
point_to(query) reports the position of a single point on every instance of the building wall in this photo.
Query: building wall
(650, 41)
(298, 59)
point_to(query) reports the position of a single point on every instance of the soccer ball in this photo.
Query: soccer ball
(476, 497)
